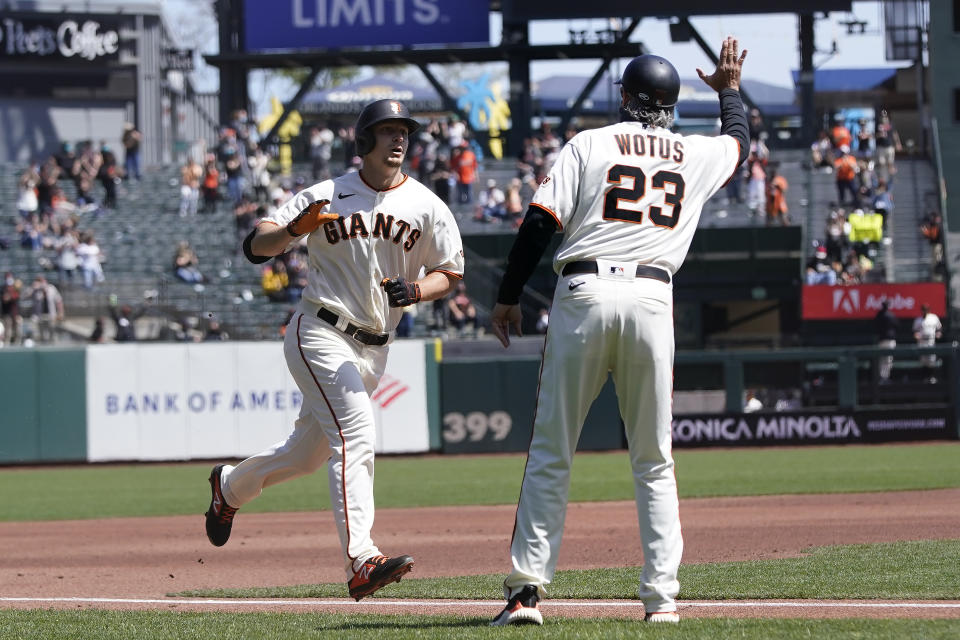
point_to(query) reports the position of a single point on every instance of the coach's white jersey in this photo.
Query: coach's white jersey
(638, 192)
(380, 234)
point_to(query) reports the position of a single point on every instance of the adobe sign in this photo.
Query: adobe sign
(860, 302)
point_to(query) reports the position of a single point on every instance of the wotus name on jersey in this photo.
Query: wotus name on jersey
(770, 428)
(385, 227)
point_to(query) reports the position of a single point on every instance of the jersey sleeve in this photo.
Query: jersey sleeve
(717, 160)
(560, 189)
(446, 255)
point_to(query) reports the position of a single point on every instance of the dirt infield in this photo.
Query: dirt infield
(134, 563)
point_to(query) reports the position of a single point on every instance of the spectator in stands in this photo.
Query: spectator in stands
(840, 134)
(191, 175)
(124, 319)
(97, 334)
(855, 267)
(513, 203)
(883, 201)
(465, 167)
(820, 269)
(49, 174)
(10, 309)
(186, 265)
(888, 145)
(47, 310)
(777, 210)
(67, 161)
(751, 403)
(864, 140)
(297, 268)
(274, 281)
(68, 260)
(845, 169)
(758, 130)
(821, 152)
(461, 310)
(932, 229)
(885, 324)
(90, 162)
(90, 256)
(440, 177)
(543, 320)
(27, 202)
(210, 184)
(108, 176)
(926, 331)
(757, 186)
(321, 150)
(456, 132)
(214, 332)
(259, 173)
(32, 232)
(131, 140)
(491, 203)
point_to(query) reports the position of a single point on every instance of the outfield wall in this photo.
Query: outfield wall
(174, 401)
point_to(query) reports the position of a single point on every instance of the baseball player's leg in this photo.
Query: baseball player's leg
(573, 371)
(644, 379)
(300, 454)
(336, 380)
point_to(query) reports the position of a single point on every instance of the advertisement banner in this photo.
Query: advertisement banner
(862, 301)
(497, 414)
(59, 38)
(813, 427)
(332, 24)
(226, 400)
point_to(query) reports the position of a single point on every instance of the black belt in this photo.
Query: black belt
(590, 266)
(352, 330)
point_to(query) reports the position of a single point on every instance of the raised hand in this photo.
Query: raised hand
(729, 66)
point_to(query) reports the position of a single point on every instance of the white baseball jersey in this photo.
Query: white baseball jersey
(638, 192)
(380, 234)
(927, 326)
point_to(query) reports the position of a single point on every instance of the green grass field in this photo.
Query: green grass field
(103, 491)
(915, 570)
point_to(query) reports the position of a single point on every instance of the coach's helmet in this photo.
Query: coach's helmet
(652, 80)
(378, 112)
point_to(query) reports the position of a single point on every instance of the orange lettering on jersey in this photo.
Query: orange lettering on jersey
(357, 226)
(639, 144)
(623, 143)
(383, 226)
(677, 151)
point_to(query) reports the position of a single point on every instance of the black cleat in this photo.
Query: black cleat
(376, 573)
(220, 514)
(523, 608)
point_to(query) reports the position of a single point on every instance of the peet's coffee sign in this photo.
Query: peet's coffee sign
(78, 39)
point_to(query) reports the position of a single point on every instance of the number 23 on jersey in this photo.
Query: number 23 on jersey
(620, 175)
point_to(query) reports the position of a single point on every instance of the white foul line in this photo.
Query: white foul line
(488, 603)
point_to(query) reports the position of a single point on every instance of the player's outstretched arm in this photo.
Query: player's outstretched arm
(729, 67)
(503, 317)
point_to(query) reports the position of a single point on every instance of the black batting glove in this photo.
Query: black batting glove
(401, 293)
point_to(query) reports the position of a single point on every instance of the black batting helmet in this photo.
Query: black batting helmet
(378, 112)
(652, 80)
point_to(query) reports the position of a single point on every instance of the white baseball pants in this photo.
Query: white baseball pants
(336, 375)
(623, 325)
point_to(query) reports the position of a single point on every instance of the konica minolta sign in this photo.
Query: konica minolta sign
(821, 427)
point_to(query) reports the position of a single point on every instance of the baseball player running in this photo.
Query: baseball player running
(627, 197)
(369, 236)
